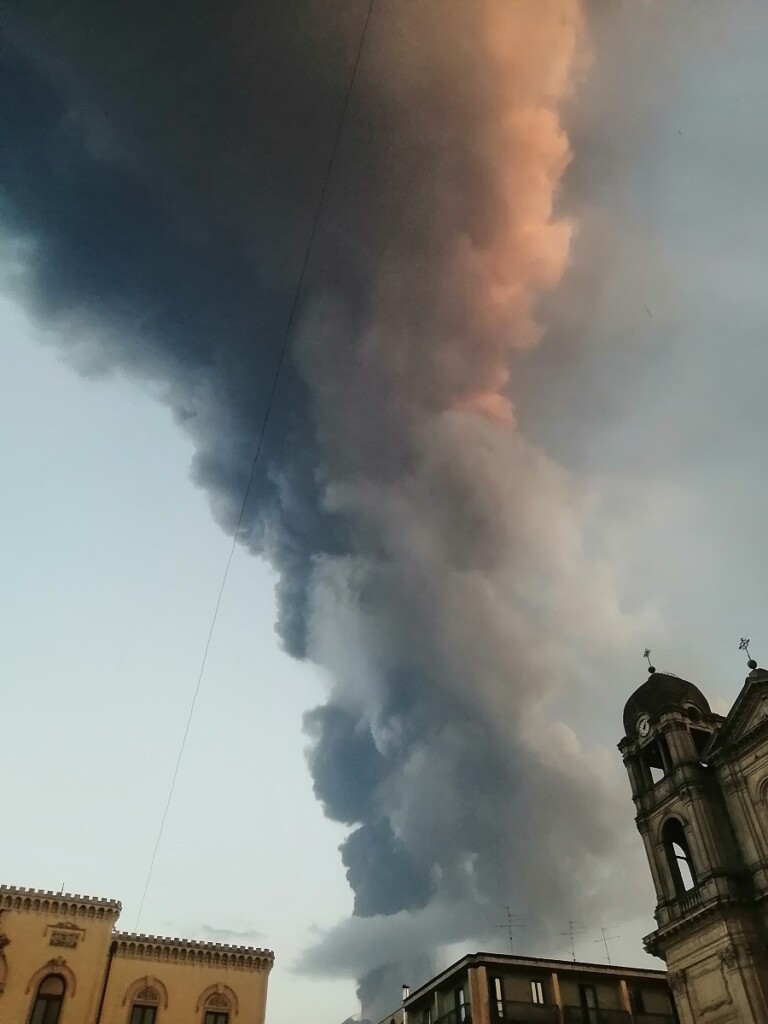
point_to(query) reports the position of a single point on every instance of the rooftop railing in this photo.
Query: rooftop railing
(584, 1015)
(529, 1013)
(461, 1015)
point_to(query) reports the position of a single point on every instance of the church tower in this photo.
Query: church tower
(700, 787)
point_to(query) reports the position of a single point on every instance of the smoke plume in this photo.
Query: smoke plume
(164, 165)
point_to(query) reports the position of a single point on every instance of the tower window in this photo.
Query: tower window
(657, 759)
(679, 856)
(700, 740)
(537, 993)
(48, 1000)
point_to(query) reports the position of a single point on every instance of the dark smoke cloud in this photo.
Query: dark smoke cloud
(164, 164)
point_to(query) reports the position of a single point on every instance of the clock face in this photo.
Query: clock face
(643, 726)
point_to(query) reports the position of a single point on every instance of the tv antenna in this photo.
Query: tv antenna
(606, 939)
(574, 928)
(514, 920)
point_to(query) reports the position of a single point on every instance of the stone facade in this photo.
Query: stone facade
(700, 783)
(63, 962)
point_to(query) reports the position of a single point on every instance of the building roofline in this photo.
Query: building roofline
(537, 962)
(192, 944)
(63, 897)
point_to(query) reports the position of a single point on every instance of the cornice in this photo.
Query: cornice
(44, 901)
(691, 922)
(213, 954)
(753, 693)
(742, 745)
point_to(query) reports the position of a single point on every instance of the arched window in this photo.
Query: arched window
(679, 856)
(144, 1009)
(48, 1000)
(217, 1009)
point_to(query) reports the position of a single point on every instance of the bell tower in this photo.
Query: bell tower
(710, 917)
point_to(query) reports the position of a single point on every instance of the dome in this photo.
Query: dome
(658, 692)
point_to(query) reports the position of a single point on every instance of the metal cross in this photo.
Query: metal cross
(647, 655)
(744, 644)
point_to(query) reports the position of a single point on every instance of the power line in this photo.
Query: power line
(260, 440)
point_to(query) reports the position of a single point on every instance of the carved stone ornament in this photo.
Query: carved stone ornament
(218, 1001)
(677, 981)
(67, 939)
(147, 995)
(728, 956)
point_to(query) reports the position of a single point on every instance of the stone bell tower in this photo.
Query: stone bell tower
(700, 787)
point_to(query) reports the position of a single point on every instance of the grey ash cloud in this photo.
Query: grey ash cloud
(163, 165)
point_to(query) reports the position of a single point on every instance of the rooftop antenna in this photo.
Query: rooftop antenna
(647, 656)
(574, 928)
(513, 921)
(744, 646)
(606, 939)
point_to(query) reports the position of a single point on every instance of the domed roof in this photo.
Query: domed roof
(661, 691)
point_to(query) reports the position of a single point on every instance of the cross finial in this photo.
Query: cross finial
(647, 656)
(744, 646)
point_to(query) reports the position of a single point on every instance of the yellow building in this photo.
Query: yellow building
(63, 962)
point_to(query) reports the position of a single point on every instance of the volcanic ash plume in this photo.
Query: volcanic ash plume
(431, 558)
(446, 622)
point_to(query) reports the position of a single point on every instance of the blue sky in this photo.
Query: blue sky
(102, 642)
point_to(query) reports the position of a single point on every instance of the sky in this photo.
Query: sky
(519, 436)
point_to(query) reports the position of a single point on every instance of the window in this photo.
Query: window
(657, 759)
(537, 993)
(143, 1014)
(145, 1003)
(679, 856)
(217, 1009)
(636, 1001)
(497, 996)
(588, 1001)
(700, 740)
(461, 1005)
(48, 1000)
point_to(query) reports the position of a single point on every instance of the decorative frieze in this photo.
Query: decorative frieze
(41, 901)
(213, 954)
(728, 956)
(64, 934)
(677, 981)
